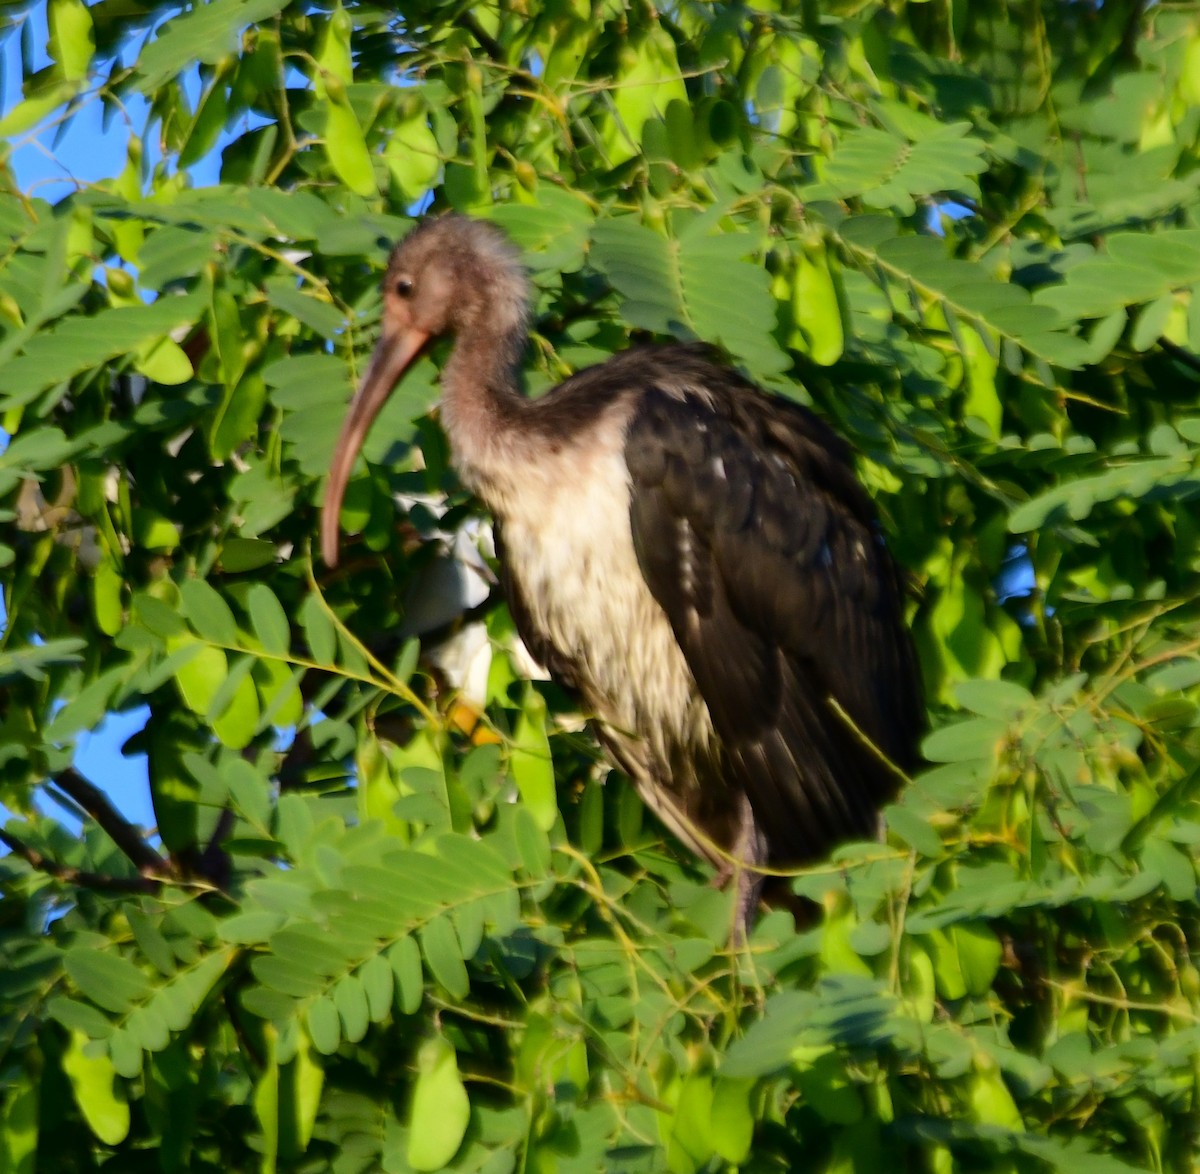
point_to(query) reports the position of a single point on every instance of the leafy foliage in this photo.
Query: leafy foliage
(398, 915)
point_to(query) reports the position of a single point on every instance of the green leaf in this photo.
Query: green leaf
(440, 1108)
(532, 843)
(269, 620)
(316, 314)
(249, 791)
(319, 629)
(666, 287)
(32, 662)
(350, 999)
(376, 978)
(148, 1028)
(1137, 268)
(731, 1121)
(443, 954)
(530, 762)
(71, 38)
(997, 699)
(94, 1085)
(412, 155)
(200, 671)
(966, 740)
(1174, 867)
(246, 554)
(108, 979)
(346, 146)
(405, 958)
(27, 114)
(79, 1017)
(206, 31)
(962, 288)
(38, 448)
(251, 927)
(1076, 499)
(79, 343)
(207, 612)
(287, 976)
(887, 170)
(324, 1026)
(19, 1117)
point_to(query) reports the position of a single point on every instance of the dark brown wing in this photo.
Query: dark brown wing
(764, 551)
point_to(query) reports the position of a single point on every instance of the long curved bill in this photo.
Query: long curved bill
(389, 362)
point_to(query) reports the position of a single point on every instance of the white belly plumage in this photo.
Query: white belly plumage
(569, 547)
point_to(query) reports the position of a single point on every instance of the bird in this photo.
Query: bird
(691, 556)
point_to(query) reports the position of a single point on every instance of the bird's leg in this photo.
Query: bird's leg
(750, 854)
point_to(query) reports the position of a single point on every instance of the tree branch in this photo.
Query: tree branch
(1180, 354)
(486, 41)
(122, 833)
(78, 876)
(214, 862)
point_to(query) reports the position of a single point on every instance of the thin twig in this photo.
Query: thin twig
(122, 833)
(1073, 991)
(213, 863)
(78, 876)
(1180, 354)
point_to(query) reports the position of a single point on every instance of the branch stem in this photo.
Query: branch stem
(126, 837)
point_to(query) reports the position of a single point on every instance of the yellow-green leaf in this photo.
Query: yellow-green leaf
(532, 766)
(152, 531)
(440, 1108)
(238, 721)
(19, 1124)
(164, 361)
(30, 112)
(71, 37)
(815, 306)
(266, 1102)
(106, 597)
(94, 1083)
(279, 692)
(646, 81)
(732, 1120)
(300, 1085)
(200, 675)
(412, 156)
(334, 57)
(346, 147)
(991, 1101)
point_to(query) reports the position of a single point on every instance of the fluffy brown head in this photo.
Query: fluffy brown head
(452, 275)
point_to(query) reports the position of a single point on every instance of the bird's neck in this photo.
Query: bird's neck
(482, 404)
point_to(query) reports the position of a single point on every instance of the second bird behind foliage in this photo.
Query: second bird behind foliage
(694, 557)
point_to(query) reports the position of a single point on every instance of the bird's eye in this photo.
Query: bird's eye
(404, 287)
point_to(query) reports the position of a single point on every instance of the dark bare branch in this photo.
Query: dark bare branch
(1179, 354)
(78, 876)
(214, 863)
(486, 41)
(124, 834)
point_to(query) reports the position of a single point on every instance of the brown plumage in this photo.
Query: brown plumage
(694, 557)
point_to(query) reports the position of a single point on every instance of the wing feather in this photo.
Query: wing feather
(764, 551)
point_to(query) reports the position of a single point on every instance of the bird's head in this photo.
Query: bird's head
(448, 275)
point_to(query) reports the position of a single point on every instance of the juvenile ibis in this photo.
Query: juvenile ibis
(694, 557)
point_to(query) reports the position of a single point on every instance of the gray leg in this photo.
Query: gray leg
(751, 848)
